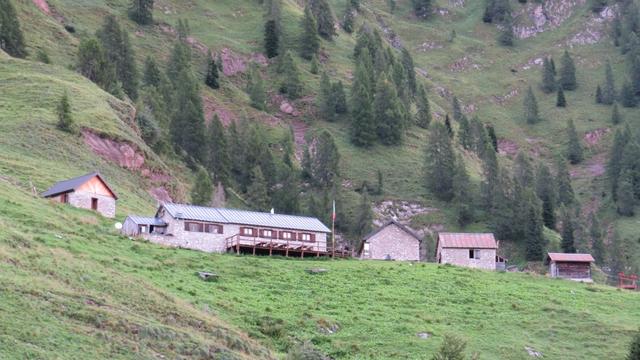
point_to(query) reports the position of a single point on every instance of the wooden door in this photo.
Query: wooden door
(94, 204)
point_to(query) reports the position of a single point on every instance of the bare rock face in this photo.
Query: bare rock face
(160, 194)
(594, 29)
(121, 153)
(287, 108)
(536, 18)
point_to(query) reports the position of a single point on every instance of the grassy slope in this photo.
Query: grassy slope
(78, 289)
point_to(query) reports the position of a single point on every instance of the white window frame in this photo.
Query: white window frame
(287, 235)
(266, 233)
(247, 231)
(476, 254)
(305, 237)
(366, 250)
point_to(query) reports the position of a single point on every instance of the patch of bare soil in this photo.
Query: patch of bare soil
(463, 64)
(46, 8)
(591, 168)
(593, 137)
(507, 147)
(299, 132)
(234, 63)
(211, 107)
(501, 100)
(160, 193)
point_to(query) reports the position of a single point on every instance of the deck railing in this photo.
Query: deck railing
(237, 242)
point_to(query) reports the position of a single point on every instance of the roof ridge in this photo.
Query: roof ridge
(234, 209)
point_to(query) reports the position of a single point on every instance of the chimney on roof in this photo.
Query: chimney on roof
(179, 215)
(273, 211)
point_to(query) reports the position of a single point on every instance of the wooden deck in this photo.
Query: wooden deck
(289, 248)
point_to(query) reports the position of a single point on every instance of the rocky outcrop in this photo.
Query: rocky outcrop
(534, 18)
(594, 29)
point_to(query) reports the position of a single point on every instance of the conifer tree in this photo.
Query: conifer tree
(599, 96)
(491, 133)
(447, 124)
(93, 64)
(11, 38)
(387, 112)
(533, 228)
(286, 198)
(407, 63)
(65, 120)
(211, 79)
(257, 192)
(497, 11)
(324, 17)
(292, 85)
(347, 20)
(609, 90)
(566, 195)
(202, 188)
(380, 184)
(506, 37)
(151, 75)
(574, 147)
(464, 133)
(340, 97)
(545, 189)
(187, 122)
(183, 29)
(255, 88)
(119, 52)
(326, 100)
(548, 77)
(568, 231)
(439, 167)
(531, 107)
(490, 176)
(314, 67)
(627, 95)
(634, 347)
(141, 11)
(560, 99)
(218, 160)
(423, 115)
(597, 243)
(271, 38)
(462, 194)
(523, 171)
(553, 67)
(614, 166)
(616, 118)
(324, 161)
(310, 39)
(568, 73)
(364, 215)
(422, 8)
(363, 126)
(457, 110)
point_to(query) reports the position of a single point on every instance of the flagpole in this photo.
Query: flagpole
(333, 230)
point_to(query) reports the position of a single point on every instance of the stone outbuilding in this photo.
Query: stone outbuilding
(474, 250)
(392, 241)
(575, 267)
(89, 191)
(139, 225)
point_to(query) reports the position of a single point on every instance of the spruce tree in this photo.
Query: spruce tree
(151, 75)
(614, 165)
(599, 96)
(447, 124)
(616, 118)
(439, 170)
(462, 194)
(422, 8)
(257, 192)
(255, 88)
(566, 195)
(531, 107)
(491, 133)
(363, 126)
(380, 184)
(271, 38)
(597, 5)
(340, 97)
(387, 112)
(202, 188)
(65, 120)
(560, 99)
(93, 64)
(568, 72)
(506, 37)
(634, 347)
(314, 67)
(326, 101)
(533, 228)
(574, 146)
(597, 243)
(187, 123)
(119, 52)
(490, 175)
(324, 17)
(457, 110)
(523, 171)
(423, 115)
(548, 77)
(609, 90)
(310, 39)
(325, 162)
(627, 95)
(11, 38)
(218, 160)
(407, 63)
(546, 191)
(292, 85)
(347, 20)
(211, 79)
(364, 215)
(141, 11)
(464, 133)
(568, 231)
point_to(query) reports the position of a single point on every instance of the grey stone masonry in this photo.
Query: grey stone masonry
(391, 243)
(106, 204)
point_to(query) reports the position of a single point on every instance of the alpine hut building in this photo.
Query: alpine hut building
(89, 191)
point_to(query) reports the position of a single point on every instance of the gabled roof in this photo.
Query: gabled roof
(66, 186)
(141, 220)
(570, 257)
(243, 217)
(467, 241)
(392, 222)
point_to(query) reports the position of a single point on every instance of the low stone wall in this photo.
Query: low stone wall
(209, 243)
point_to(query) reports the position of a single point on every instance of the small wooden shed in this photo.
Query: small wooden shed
(89, 191)
(570, 266)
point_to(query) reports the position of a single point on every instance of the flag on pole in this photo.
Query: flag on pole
(333, 213)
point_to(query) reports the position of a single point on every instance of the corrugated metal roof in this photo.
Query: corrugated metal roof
(570, 257)
(243, 217)
(72, 184)
(142, 220)
(393, 222)
(467, 240)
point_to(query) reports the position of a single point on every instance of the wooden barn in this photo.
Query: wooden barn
(392, 241)
(89, 191)
(570, 266)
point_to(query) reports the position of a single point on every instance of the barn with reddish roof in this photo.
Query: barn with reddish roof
(570, 266)
(474, 250)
